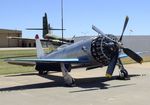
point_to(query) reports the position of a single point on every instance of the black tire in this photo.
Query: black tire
(43, 72)
(123, 74)
(71, 84)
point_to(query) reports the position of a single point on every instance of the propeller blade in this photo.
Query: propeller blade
(98, 30)
(112, 65)
(133, 55)
(101, 33)
(124, 27)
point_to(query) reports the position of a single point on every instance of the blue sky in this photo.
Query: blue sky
(79, 16)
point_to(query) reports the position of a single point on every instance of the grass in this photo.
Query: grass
(4, 54)
(6, 68)
(129, 60)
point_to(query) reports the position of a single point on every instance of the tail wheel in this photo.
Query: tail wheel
(43, 72)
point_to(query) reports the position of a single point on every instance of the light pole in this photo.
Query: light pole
(62, 26)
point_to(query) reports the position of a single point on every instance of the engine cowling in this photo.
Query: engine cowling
(103, 49)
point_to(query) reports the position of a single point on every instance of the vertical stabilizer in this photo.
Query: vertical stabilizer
(39, 49)
(45, 25)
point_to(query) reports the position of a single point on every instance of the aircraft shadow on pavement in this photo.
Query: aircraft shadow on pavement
(92, 83)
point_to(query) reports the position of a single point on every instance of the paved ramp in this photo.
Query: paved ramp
(92, 88)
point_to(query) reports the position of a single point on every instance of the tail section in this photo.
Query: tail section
(46, 26)
(39, 49)
(47, 29)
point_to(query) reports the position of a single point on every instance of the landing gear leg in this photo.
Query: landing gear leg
(69, 81)
(123, 74)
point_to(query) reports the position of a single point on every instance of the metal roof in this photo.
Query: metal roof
(8, 31)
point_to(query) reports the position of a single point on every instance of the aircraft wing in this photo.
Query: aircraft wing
(20, 38)
(33, 61)
(53, 41)
(22, 63)
(59, 38)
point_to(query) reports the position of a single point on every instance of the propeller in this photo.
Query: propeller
(129, 52)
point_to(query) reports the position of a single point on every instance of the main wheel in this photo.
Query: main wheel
(72, 84)
(123, 74)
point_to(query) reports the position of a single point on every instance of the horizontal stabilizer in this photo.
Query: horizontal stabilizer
(43, 29)
(34, 29)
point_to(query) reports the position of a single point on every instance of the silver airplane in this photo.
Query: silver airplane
(47, 35)
(103, 50)
(47, 31)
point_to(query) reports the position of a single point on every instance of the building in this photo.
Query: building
(27, 42)
(15, 41)
(7, 42)
(137, 43)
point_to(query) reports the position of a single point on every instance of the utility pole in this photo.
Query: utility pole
(62, 26)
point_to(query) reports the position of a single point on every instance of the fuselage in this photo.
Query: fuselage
(81, 49)
(98, 50)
